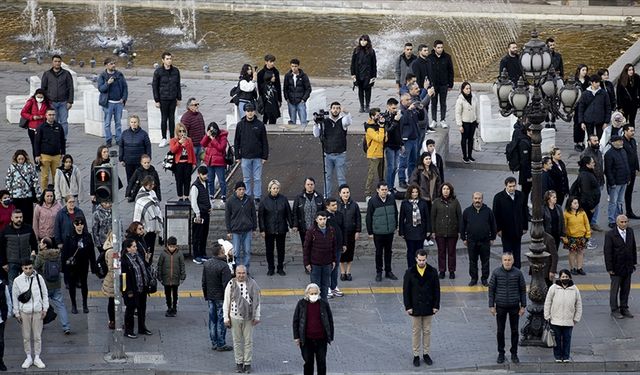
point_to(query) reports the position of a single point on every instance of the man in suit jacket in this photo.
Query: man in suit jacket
(511, 218)
(620, 258)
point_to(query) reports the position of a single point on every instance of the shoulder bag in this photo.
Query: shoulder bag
(548, 336)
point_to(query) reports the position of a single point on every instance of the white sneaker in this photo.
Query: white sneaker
(27, 363)
(329, 294)
(434, 124)
(431, 243)
(444, 125)
(38, 362)
(591, 245)
(163, 143)
(425, 243)
(337, 293)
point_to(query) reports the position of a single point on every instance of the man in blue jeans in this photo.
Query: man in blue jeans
(616, 169)
(57, 83)
(394, 144)
(297, 90)
(113, 96)
(252, 150)
(319, 253)
(410, 138)
(332, 131)
(50, 254)
(215, 277)
(241, 221)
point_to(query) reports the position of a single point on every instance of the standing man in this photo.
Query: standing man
(113, 97)
(594, 108)
(215, 277)
(201, 206)
(319, 254)
(270, 66)
(241, 220)
(421, 296)
(252, 150)
(332, 131)
(621, 259)
(336, 220)
(616, 169)
(441, 77)
(305, 207)
(420, 66)
(47, 256)
(393, 145)
(478, 231)
(297, 89)
(511, 218)
(17, 243)
(57, 83)
(382, 221)
(556, 62)
(403, 65)
(507, 296)
(511, 62)
(241, 313)
(593, 151)
(49, 146)
(167, 94)
(631, 148)
(410, 139)
(374, 138)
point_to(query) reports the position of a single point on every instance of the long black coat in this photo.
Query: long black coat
(274, 215)
(85, 256)
(588, 189)
(511, 215)
(364, 66)
(352, 216)
(558, 174)
(405, 221)
(300, 320)
(619, 256)
(421, 293)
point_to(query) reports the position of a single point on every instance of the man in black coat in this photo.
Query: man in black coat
(620, 258)
(167, 93)
(594, 109)
(478, 231)
(511, 218)
(252, 150)
(297, 89)
(305, 207)
(631, 148)
(420, 66)
(421, 297)
(215, 277)
(269, 65)
(441, 77)
(511, 62)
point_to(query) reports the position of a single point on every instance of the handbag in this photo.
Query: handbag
(71, 261)
(23, 123)
(51, 315)
(229, 156)
(477, 142)
(548, 336)
(152, 286)
(25, 297)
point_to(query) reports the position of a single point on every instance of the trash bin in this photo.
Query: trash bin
(177, 223)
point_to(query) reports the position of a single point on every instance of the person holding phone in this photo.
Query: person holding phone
(182, 147)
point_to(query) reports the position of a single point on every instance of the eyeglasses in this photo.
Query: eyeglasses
(78, 224)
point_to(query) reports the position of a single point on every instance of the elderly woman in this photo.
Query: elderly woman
(274, 218)
(22, 183)
(563, 307)
(194, 123)
(313, 329)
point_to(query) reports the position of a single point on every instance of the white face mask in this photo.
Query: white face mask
(39, 100)
(314, 298)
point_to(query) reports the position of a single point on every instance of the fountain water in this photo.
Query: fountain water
(389, 42)
(184, 20)
(31, 14)
(48, 30)
(105, 18)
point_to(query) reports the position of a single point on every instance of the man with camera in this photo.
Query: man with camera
(421, 98)
(393, 144)
(410, 138)
(331, 128)
(375, 136)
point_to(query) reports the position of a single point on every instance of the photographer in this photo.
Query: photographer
(393, 145)
(421, 98)
(215, 145)
(331, 128)
(410, 135)
(375, 134)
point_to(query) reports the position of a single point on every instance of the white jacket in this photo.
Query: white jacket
(73, 187)
(563, 306)
(36, 303)
(466, 112)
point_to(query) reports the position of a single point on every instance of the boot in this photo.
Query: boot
(74, 308)
(85, 309)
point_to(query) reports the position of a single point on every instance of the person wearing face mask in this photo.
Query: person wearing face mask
(319, 253)
(68, 179)
(44, 215)
(563, 308)
(35, 110)
(135, 183)
(22, 183)
(313, 329)
(6, 208)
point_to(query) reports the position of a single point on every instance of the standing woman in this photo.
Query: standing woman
(134, 143)
(313, 329)
(23, 184)
(68, 179)
(352, 227)
(108, 282)
(136, 232)
(583, 82)
(445, 220)
(77, 256)
(275, 219)
(215, 144)
(467, 119)
(35, 110)
(427, 177)
(608, 87)
(414, 224)
(364, 70)
(270, 98)
(563, 308)
(628, 93)
(553, 217)
(182, 147)
(194, 123)
(135, 281)
(44, 215)
(558, 174)
(247, 86)
(577, 233)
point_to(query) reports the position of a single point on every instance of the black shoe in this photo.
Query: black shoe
(441, 275)
(547, 125)
(632, 216)
(168, 313)
(466, 160)
(361, 109)
(306, 271)
(577, 148)
(239, 368)
(3, 367)
(416, 361)
(343, 277)
(626, 313)
(281, 272)
(379, 276)
(270, 273)
(85, 309)
(427, 359)
(471, 159)
(257, 201)
(581, 272)
(389, 275)
(574, 271)
(473, 282)
(452, 275)
(224, 348)
(74, 310)
(515, 359)
(349, 278)
(617, 314)
(145, 332)
(500, 358)
(485, 283)
(247, 369)
(131, 335)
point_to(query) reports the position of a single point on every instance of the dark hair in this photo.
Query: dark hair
(550, 40)
(127, 243)
(4, 192)
(546, 159)
(602, 71)
(567, 206)
(410, 190)
(584, 161)
(27, 262)
(145, 156)
(626, 127)
(203, 170)
(344, 186)
(321, 213)
(294, 61)
(408, 44)
(392, 101)
(595, 78)
(79, 220)
(373, 112)
(368, 48)
(267, 76)
(310, 179)
(47, 242)
(18, 153)
(381, 183)
(147, 180)
(463, 85)
(99, 160)
(511, 43)
(509, 180)
(580, 66)
(269, 57)
(421, 252)
(109, 60)
(564, 271)
(422, 46)
(328, 201)
(40, 91)
(430, 142)
(548, 194)
(165, 53)
(409, 76)
(423, 156)
(65, 158)
(16, 211)
(624, 76)
(133, 227)
(172, 241)
(216, 249)
(47, 189)
(452, 194)
(438, 41)
(56, 56)
(334, 103)
(244, 72)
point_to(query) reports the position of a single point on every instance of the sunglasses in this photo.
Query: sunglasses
(195, 104)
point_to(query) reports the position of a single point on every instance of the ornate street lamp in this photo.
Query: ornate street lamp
(549, 95)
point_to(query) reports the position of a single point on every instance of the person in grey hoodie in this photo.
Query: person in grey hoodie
(241, 221)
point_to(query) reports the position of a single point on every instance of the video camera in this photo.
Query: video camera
(318, 117)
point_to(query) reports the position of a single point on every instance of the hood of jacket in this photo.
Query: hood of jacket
(49, 254)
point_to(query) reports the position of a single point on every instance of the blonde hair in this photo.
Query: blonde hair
(180, 126)
(553, 151)
(135, 117)
(273, 182)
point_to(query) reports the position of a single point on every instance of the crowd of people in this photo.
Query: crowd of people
(51, 236)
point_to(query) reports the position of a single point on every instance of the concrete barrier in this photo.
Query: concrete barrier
(153, 118)
(494, 128)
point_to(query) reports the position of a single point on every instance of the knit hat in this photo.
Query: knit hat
(615, 138)
(239, 184)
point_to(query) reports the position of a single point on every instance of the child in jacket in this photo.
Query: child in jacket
(171, 273)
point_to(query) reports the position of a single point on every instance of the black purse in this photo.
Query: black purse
(51, 315)
(71, 261)
(24, 123)
(25, 297)
(229, 157)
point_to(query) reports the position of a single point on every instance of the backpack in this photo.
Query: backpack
(51, 270)
(169, 162)
(101, 265)
(574, 190)
(513, 155)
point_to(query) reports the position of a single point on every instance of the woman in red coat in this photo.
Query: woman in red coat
(34, 111)
(215, 144)
(185, 160)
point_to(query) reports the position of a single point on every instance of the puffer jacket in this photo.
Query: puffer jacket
(39, 301)
(300, 320)
(63, 187)
(20, 179)
(507, 288)
(240, 214)
(589, 189)
(215, 277)
(466, 112)
(44, 219)
(301, 91)
(382, 217)
(446, 215)
(107, 283)
(134, 144)
(215, 149)
(171, 268)
(166, 84)
(616, 167)
(563, 305)
(48, 255)
(135, 183)
(31, 109)
(577, 225)
(274, 215)
(16, 244)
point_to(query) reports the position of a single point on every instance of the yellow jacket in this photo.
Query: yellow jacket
(576, 225)
(375, 142)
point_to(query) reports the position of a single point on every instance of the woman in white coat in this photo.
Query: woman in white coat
(563, 307)
(467, 119)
